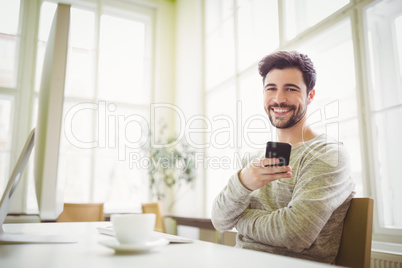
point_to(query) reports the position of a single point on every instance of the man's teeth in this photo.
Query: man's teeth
(281, 110)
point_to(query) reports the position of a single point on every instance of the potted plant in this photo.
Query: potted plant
(172, 165)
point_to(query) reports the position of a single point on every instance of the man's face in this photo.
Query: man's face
(285, 97)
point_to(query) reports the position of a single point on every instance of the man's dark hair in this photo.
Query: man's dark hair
(289, 59)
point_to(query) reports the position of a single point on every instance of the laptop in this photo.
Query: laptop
(15, 178)
(6, 199)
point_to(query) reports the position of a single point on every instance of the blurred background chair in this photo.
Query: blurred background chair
(355, 248)
(155, 208)
(79, 212)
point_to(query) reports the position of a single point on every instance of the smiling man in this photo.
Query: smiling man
(296, 210)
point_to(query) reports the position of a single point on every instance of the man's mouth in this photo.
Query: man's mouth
(281, 111)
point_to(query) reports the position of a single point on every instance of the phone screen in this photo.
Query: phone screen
(278, 150)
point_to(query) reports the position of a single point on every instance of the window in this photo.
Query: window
(106, 83)
(6, 104)
(107, 96)
(384, 53)
(237, 38)
(9, 44)
(358, 96)
(221, 140)
(257, 30)
(9, 41)
(236, 33)
(334, 109)
(219, 42)
(302, 14)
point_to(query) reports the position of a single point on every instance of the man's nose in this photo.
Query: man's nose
(280, 96)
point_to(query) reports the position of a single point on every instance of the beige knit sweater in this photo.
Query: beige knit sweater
(300, 216)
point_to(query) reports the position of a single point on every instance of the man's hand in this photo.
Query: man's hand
(256, 174)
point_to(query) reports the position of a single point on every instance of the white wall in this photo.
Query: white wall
(178, 81)
(163, 80)
(189, 97)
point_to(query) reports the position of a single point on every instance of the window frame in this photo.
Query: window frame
(380, 233)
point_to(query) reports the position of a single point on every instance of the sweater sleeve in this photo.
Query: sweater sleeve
(323, 184)
(230, 204)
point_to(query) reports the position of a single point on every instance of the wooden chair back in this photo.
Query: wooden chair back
(81, 212)
(155, 208)
(355, 248)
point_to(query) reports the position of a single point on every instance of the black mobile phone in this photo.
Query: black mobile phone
(280, 150)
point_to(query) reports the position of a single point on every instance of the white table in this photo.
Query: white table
(87, 252)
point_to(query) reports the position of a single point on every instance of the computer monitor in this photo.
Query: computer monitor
(46, 139)
(50, 110)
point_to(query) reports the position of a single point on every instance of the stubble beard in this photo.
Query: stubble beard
(297, 115)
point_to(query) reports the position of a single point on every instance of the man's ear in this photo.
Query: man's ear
(310, 96)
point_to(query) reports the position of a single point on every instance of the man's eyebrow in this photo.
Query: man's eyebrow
(286, 85)
(292, 85)
(270, 85)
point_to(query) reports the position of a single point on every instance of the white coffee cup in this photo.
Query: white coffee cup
(133, 228)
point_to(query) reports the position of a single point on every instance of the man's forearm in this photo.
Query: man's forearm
(230, 204)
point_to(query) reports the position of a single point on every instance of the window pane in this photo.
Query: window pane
(9, 39)
(76, 150)
(388, 147)
(258, 30)
(334, 109)
(5, 140)
(220, 158)
(398, 31)
(81, 55)
(80, 74)
(5, 119)
(82, 28)
(383, 34)
(120, 174)
(256, 127)
(78, 126)
(302, 14)
(8, 60)
(9, 16)
(220, 49)
(4, 170)
(118, 183)
(75, 174)
(122, 60)
(351, 141)
(216, 12)
(332, 54)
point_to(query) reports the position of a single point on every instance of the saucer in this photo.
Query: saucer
(134, 248)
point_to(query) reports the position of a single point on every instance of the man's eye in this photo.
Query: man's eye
(270, 89)
(292, 89)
